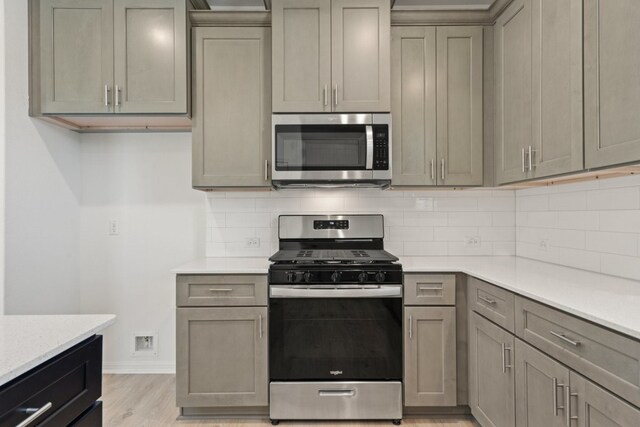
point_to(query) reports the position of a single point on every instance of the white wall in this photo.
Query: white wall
(42, 192)
(592, 225)
(416, 222)
(144, 182)
(2, 165)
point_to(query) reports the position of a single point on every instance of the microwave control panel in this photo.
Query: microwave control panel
(381, 147)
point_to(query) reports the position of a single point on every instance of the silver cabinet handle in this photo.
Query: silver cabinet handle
(325, 96)
(117, 94)
(335, 95)
(567, 404)
(433, 171)
(556, 407)
(442, 169)
(410, 327)
(106, 95)
(487, 300)
(565, 339)
(531, 151)
(260, 325)
(524, 170)
(266, 170)
(430, 287)
(35, 414)
(506, 365)
(336, 393)
(220, 290)
(369, 158)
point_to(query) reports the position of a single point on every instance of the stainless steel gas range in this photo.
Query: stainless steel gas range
(335, 321)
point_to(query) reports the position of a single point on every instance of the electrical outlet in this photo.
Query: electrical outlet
(114, 227)
(144, 344)
(253, 242)
(544, 244)
(473, 242)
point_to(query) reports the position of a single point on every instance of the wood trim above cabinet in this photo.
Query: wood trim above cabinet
(208, 18)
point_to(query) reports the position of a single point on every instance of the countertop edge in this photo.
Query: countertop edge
(27, 366)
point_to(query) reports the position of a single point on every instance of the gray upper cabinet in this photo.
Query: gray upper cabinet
(491, 376)
(612, 82)
(76, 55)
(447, 97)
(413, 105)
(231, 106)
(459, 112)
(331, 55)
(540, 388)
(301, 55)
(109, 56)
(222, 357)
(430, 356)
(512, 51)
(150, 56)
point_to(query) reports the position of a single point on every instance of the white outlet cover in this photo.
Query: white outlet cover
(138, 352)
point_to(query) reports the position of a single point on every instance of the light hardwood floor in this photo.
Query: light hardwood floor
(149, 401)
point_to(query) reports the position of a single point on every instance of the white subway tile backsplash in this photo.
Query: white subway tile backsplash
(411, 218)
(593, 225)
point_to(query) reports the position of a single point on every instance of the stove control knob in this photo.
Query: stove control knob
(335, 277)
(380, 276)
(308, 276)
(291, 276)
(362, 277)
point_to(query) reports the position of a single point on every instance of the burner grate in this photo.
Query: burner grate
(360, 254)
(305, 254)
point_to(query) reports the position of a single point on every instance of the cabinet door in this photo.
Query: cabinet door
(512, 50)
(231, 107)
(612, 82)
(413, 105)
(460, 117)
(221, 357)
(301, 56)
(540, 383)
(76, 55)
(556, 86)
(596, 407)
(360, 55)
(491, 377)
(150, 56)
(430, 356)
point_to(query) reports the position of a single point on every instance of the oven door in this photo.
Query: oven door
(342, 333)
(323, 147)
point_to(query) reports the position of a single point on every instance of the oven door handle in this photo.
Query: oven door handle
(284, 291)
(369, 165)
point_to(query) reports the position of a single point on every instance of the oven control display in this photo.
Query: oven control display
(330, 225)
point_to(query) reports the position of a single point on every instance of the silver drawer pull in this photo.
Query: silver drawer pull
(220, 290)
(35, 414)
(556, 407)
(565, 339)
(430, 288)
(337, 393)
(506, 363)
(487, 300)
(567, 399)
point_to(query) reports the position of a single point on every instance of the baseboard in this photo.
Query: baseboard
(139, 368)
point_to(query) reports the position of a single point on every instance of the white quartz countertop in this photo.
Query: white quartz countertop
(609, 301)
(28, 341)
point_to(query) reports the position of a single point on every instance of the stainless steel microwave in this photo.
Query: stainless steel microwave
(331, 150)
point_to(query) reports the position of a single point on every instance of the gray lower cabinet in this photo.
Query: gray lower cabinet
(437, 105)
(430, 356)
(222, 357)
(108, 56)
(612, 82)
(231, 107)
(593, 406)
(491, 373)
(540, 388)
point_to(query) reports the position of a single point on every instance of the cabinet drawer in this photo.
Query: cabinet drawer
(492, 302)
(91, 418)
(221, 290)
(70, 383)
(606, 357)
(430, 289)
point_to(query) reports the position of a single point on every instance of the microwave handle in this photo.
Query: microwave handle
(369, 165)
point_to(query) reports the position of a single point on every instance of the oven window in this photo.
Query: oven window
(346, 339)
(321, 147)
